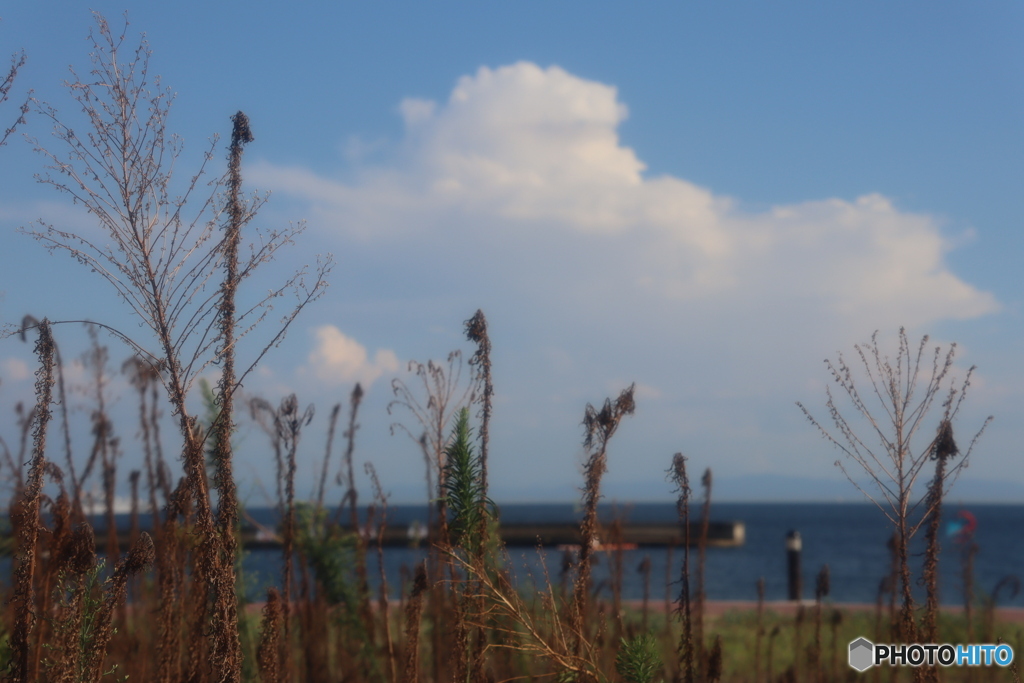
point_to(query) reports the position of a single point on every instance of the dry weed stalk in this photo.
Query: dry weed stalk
(226, 654)
(18, 60)
(432, 401)
(270, 635)
(822, 587)
(685, 649)
(798, 642)
(25, 518)
(29, 322)
(105, 444)
(770, 651)
(352, 494)
(413, 617)
(537, 631)
(759, 632)
(352, 497)
(171, 563)
(139, 558)
(160, 255)
(332, 425)
(142, 376)
(644, 569)
(702, 546)
(714, 667)
(476, 332)
(384, 604)
(943, 448)
(77, 559)
(284, 427)
(442, 397)
(905, 391)
(599, 426)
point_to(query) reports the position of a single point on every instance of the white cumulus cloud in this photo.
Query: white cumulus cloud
(516, 194)
(15, 370)
(338, 358)
(522, 158)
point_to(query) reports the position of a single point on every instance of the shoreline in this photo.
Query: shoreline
(719, 608)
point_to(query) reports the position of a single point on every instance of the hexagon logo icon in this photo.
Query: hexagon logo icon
(862, 654)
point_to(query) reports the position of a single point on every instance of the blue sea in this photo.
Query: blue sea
(850, 538)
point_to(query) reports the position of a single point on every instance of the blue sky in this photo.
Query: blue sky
(706, 199)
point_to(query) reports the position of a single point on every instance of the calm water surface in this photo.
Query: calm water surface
(849, 538)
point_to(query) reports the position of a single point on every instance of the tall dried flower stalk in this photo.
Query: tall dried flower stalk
(29, 322)
(759, 632)
(159, 251)
(352, 496)
(332, 425)
(598, 426)
(105, 444)
(904, 391)
(267, 656)
(226, 653)
(476, 332)
(700, 650)
(384, 604)
(26, 517)
(685, 648)
(142, 376)
(822, 587)
(18, 60)
(943, 449)
(138, 558)
(352, 493)
(413, 615)
(433, 401)
(284, 427)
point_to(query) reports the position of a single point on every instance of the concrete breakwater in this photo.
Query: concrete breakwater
(626, 536)
(611, 536)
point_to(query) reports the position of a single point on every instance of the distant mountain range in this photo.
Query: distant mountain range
(779, 488)
(744, 488)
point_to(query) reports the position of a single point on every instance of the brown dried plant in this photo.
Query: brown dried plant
(321, 485)
(685, 648)
(351, 492)
(381, 500)
(822, 587)
(160, 251)
(105, 446)
(352, 497)
(226, 653)
(29, 322)
(25, 517)
(702, 546)
(143, 377)
(904, 391)
(270, 636)
(435, 398)
(284, 427)
(476, 332)
(944, 448)
(18, 60)
(598, 427)
(138, 559)
(413, 617)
